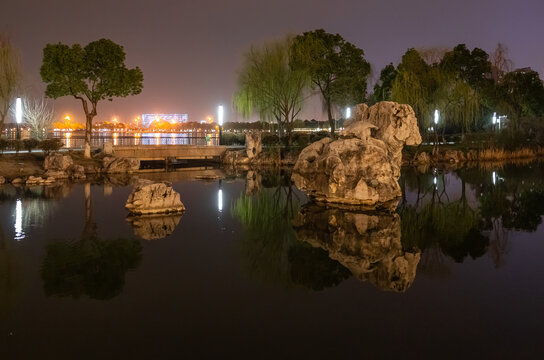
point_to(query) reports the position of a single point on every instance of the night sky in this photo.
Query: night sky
(190, 51)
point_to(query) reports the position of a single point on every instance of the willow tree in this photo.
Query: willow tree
(90, 74)
(337, 68)
(270, 87)
(10, 77)
(429, 87)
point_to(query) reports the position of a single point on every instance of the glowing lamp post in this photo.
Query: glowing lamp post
(18, 116)
(220, 114)
(436, 119)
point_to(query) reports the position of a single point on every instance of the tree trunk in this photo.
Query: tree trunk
(332, 122)
(88, 133)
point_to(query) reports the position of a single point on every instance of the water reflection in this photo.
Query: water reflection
(90, 266)
(94, 268)
(469, 213)
(442, 215)
(154, 227)
(19, 234)
(368, 244)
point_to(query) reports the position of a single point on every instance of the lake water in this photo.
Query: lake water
(253, 270)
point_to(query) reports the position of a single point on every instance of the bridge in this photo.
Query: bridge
(169, 152)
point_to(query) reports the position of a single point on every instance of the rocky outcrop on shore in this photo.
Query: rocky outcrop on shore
(368, 244)
(150, 198)
(362, 167)
(111, 165)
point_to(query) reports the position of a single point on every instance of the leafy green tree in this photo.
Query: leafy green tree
(270, 87)
(337, 69)
(383, 89)
(473, 66)
(89, 74)
(521, 94)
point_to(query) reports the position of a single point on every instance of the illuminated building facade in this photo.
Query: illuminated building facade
(148, 119)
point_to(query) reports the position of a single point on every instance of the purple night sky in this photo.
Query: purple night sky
(190, 51)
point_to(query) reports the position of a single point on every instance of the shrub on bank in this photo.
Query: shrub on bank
(233, 139)
(30, 144)
(16, 145)
(49, 145)
(4, 143)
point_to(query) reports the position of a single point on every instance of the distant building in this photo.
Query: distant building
(148, 119)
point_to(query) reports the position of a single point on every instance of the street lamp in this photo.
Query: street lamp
(348, 112)
(220, 114)
(18, 116)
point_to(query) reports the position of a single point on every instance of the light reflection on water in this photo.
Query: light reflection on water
(19, 234)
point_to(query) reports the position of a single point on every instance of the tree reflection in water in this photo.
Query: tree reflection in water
(269, 246)
(89, 266)
(492, 202)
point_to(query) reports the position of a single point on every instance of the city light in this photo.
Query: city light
(494, 119)
(67, 118)
(436, 116)
(220, 115)
(18, 111)
(348, 112)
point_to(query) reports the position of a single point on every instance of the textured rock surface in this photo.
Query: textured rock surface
(57, 162)
(57, 174)
(2, 180)
(368, 244)
(120, 165)
(254, 144)
(362, 167)
(154, 227)
(154, 198)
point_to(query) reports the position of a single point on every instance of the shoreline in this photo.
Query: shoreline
(22, 166)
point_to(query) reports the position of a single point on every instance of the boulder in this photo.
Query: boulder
(2, 180)
(120, 165)
(57, 174)
(362, 167)
(57, 162)
(254, 144)
(154, 226)
(154, 198)
(77, 172)
(368, 244)
(17, 181)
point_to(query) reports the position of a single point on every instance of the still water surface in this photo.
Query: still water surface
(254, 270)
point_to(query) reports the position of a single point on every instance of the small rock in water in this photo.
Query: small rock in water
(154, 198)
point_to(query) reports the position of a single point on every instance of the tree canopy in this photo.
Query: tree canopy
(337, 68)
(90, 74)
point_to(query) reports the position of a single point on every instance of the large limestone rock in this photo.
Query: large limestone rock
(368, 244)
(362, 167)
(57, 162)
(254, 144)
(154, 198)
(155, 226)
(120, 165)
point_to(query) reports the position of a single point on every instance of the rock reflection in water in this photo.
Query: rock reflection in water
(154, 227)
(368, 244)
